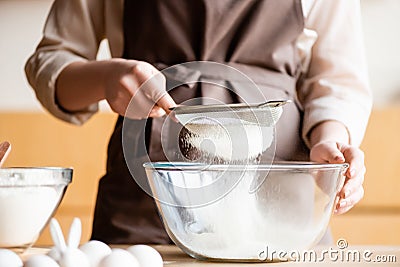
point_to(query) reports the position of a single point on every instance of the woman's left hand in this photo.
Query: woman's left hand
(335, 152)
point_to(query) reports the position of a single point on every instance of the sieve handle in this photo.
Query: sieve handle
(274, 103)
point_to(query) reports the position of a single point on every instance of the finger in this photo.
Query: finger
(166, 102)
(130, 84)
(347, 203)
(355, 157)
(120, 106)
(156, 112)
(143, 71)
(340, 211)
(327, 152)
(153, 86)
(352, 184)
(152, 83)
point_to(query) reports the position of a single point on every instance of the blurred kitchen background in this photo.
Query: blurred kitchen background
(40, 140)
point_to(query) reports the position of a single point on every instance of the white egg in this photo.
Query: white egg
(54, 253)
(73, 257)
(40, 261)
(9, 259)
(119, 258)
(146, 255)
(95, 251)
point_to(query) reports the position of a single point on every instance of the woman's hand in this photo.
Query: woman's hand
(139, 83)
(333, 152)
(123, 83)
(329, 144)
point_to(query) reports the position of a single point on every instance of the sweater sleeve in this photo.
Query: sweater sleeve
(73, 32)
(335, 86)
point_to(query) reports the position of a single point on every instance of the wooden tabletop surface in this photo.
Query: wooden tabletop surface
(369, 255)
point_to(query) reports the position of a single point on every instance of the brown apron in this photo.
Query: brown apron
(256, 37)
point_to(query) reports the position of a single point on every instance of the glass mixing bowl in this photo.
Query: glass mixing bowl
(28, 199)
(245, 212)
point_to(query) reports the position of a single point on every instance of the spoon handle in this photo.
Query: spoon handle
(274, 103)
(5, 148)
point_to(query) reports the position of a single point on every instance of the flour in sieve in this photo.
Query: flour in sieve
(229, 141)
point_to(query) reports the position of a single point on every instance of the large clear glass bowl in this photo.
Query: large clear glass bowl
(28, 199)
(245, 212)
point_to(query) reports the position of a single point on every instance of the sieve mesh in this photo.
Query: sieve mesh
(265, 114)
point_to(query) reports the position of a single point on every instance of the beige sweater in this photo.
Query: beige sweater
(335, 84)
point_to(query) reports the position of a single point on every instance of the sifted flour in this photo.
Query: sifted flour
(241, 224)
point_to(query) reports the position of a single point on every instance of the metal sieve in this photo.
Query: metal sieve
(264, 114)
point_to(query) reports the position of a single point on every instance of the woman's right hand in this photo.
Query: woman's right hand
(136, 89)
(132, 88)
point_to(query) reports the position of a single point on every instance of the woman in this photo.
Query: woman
(308, 51)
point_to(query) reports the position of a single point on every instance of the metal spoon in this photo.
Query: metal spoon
(5, 148)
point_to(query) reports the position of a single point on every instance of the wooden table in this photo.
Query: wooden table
(174, 257)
